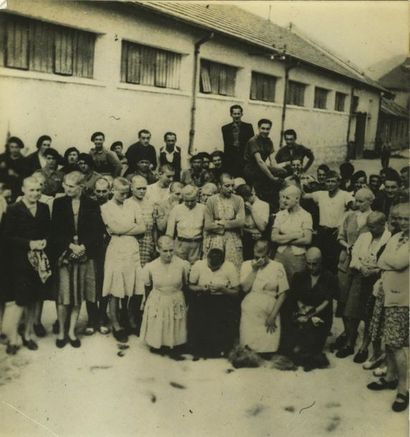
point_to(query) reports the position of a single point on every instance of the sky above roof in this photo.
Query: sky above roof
(363, 32)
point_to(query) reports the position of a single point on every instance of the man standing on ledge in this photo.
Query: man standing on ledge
(142, 149)
(235, 136)
(292, 152)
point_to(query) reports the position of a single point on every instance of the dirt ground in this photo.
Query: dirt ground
(92, 391)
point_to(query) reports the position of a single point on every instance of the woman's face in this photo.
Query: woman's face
(166, 252)
(360, 183)
(46, 144)
(214, 263)
(14, 149)
(362, 203)
(121, 194)
(72, 157)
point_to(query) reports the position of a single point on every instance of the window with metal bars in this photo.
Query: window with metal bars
(34, 45)
(263, 87)
(217, 78)
(340, 100)
(320, 98)
(295, 93)
(149, 66)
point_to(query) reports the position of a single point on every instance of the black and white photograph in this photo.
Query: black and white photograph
(204, 218)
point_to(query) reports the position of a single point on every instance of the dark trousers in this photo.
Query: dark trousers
(329, 246)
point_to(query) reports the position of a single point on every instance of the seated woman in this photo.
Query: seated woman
(77, 238)
(214, 306)
(256, 219)
(265, 282)
(313, 292)
(122, 268)
(164, 321)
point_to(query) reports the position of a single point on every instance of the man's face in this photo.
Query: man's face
(72, 157)
(101, 191)
(227, 187)
(32, 191)
(217, 161)
(139, 189)
(313, 264)
(360, 183)
(121, 194)
(391, 188)
(14, 149)
(404, 175)
(71, 189)
(403, 219)
(177, 194)
(83, 166)
(321, 176)
(46, 144)
(376, 228)
(236, 114)
(167, 178)
(264, 129)
(289, 200)
(99, 142)
(290, 140)
(205, 162)
(332, 184)
(145, 139)
(205, 195)
(297, 167)
(51, 162)
(374, 183)
(196, 164)
(143, 166)
(118, 150)
(170, 141)
(190, 200)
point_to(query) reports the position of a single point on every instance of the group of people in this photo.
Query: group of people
(244, 247)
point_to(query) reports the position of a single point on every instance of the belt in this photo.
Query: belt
(189, 240)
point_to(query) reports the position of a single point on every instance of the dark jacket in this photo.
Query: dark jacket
(31, 164)
(90, 226)
(176, 162)
(137, 152)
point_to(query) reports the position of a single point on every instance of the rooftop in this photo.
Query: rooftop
(237, 23)
(398, 78)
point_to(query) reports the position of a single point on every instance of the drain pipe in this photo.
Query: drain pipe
(197, 47)
(350, 153)
(288, 67)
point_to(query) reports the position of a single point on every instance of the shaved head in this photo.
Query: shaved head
(314, 253)
(376, 217)
(292, 190)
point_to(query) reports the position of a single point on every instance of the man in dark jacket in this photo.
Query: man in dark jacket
(235, 136)
(142, 149)
(37, 160)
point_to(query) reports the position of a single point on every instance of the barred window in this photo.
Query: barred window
(340, 100)
(263, 87)
(320, 98)
(149, 66)
(295, 93)
(217, 78)
(34, 45)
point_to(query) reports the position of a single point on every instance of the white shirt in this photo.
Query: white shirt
(225, 276)
(189, 223)
(331, 209)
(156, 193)
(42, 160)
(287, 222)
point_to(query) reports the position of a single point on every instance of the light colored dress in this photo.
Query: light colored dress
(269, 284)
(122, 268)
(164, 320)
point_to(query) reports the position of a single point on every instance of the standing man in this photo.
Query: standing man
(186, 222)
(142, 149)
(235, 136)
(160, 190)
(293, 152)
(37, 160)
(171, 154)
(105, 162)
(260, 165)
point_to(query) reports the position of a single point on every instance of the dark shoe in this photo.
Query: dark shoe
(39, 330)
(361, 356)
(339, 342)
(402, 404)
(176, 356)
(12, 349)
(61, 343)
(345, 352)
(56, 327)
(75, 343)
(120, 335)
(382, 384)
(30, 344)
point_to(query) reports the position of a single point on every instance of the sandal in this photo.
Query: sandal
(399, 406)
(382, 384)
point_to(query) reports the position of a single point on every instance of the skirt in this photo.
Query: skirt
(76, 283)
(123, 273)
(396, 327)
(359, 304)
(377, 321)
(164, 320)
(256, 307)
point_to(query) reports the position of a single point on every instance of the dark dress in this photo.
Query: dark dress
(311, 339)
(15, 179)
(90, 230)
(19, 228)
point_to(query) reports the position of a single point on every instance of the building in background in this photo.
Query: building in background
(69, 68)
(393, 127)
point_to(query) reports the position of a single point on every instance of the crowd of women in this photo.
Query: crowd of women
(194, 261)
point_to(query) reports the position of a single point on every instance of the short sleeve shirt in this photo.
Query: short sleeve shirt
(226, 276)
(332, 209)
